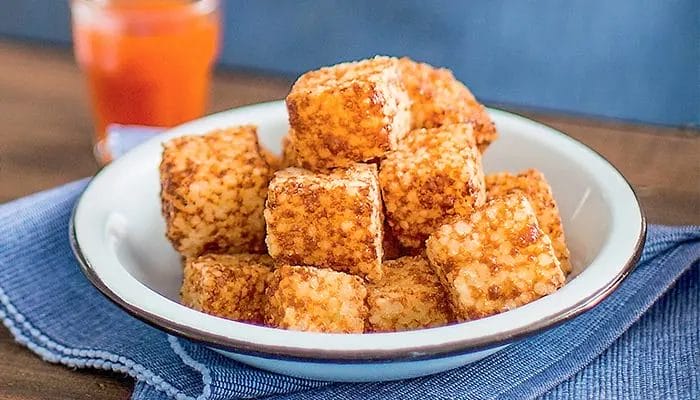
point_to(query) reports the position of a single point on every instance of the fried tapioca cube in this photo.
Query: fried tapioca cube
(228, 286)
(347, 113)
(213, 190)
(433, 175)
(313, 299)
(534, 186)
(331, 220)
(409, 296)
(495, 260)
(273, 160)
(438, 98)
(289, 155)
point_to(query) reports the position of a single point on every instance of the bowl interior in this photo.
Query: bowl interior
(121, 234)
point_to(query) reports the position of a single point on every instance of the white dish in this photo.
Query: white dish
(118, 235)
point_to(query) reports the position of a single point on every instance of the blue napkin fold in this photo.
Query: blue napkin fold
(641, 342)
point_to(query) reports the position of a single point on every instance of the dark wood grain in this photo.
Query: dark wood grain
(25, 376)
(45, 141)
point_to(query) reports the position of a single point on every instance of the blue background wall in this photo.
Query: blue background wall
(628, 59)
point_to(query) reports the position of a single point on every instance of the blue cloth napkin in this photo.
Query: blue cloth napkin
(641, 342)
(608, 352)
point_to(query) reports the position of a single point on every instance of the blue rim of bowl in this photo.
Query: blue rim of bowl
(408, 353)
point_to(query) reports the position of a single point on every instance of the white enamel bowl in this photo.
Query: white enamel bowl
(119, 238)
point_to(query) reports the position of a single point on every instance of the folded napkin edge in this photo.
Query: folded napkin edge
(28, 336)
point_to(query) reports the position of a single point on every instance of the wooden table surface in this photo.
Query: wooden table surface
(45, 141)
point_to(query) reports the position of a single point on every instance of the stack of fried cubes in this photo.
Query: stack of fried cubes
(377, 217)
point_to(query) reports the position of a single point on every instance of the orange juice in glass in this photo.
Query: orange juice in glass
(147, 62)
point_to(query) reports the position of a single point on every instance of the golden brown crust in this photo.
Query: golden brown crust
(213, 190)
(534, 186)
(434, 174)
(273, 160)
(438, 98)
(289, 155)
(329, 220)
(316, 300)
(409, 296)
(495, 260)
(228, 286)
(347, 113)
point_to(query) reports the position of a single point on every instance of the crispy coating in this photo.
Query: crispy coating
(213, 190)
(273, 160)
(495, 260)
(228, 286)
(438, 98)
(316, 300)
(329, 220)
(347, 113)
(534, 186)
(289, 155)
(409, 296)
(434, 174)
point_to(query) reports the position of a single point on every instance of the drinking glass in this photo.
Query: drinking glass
(147, 62)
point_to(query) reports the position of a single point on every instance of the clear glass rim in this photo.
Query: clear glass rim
(200, 6)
